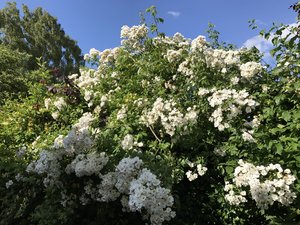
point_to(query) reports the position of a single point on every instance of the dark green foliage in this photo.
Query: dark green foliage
(40, 35)
(13, 73)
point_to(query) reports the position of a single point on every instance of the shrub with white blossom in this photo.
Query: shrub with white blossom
(166, 130)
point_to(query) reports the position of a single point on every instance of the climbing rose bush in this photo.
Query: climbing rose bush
(168, 130)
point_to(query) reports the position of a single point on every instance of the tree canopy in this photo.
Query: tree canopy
(39, 34)
(13, 73)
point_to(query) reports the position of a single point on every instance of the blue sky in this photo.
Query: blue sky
(97, 23)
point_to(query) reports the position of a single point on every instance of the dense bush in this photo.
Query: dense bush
(166, 129)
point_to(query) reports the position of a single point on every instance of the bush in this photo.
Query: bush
(167, 129)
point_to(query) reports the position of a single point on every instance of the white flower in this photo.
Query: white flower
(133, 36)
(127, 142)
(224, 70)
(201, 169)
(247, 136)
(58, 142)
(250, 69)
(235, 80)
(103, 100)
(55, 115)
(8, 184)
(203, 91)
(88, 95)
(191, 176)
(145, 193)
(121, 115)
(173, 55)
(60, 103)
(169, 116)
(47, 103)
(94, 52)
(199, 43)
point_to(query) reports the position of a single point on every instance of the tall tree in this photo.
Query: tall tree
(40, 35)
(13, 73)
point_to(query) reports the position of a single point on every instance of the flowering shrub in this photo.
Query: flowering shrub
(166, 129)
(263, 193)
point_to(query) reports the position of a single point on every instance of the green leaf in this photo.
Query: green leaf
(161, 20)
(297, 158)
(286, 116)
(279, 148)
(229, 169)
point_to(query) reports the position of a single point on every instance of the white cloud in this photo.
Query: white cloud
(259, 42)
(174, 14)
(263, 45)
(286, 31)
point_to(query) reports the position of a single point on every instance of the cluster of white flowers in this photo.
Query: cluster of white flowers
(108, 56)
(88, 95)
(177, 41)
(48, 163)
(139, 189)
(128, 142)
(201, 170)
(204, 91)
(235, 80)
(87, 164)
(170, 117)
(254, 123)
(60, 103)
(87, 79)
(106, 191)
(127, 170)
(185, 68)
(8, 184)
(247, 135)
(146, 193)
(134, 36)
(234, 197)
(47, 102)
(218, 58)
(78, 139)
(231, 102)
(94, 53)
(174, 55)
(199, 43)
(267, 185)
(121, 115)
(55, 115)
(250, 69)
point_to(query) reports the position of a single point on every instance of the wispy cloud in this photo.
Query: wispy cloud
(174, 14)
